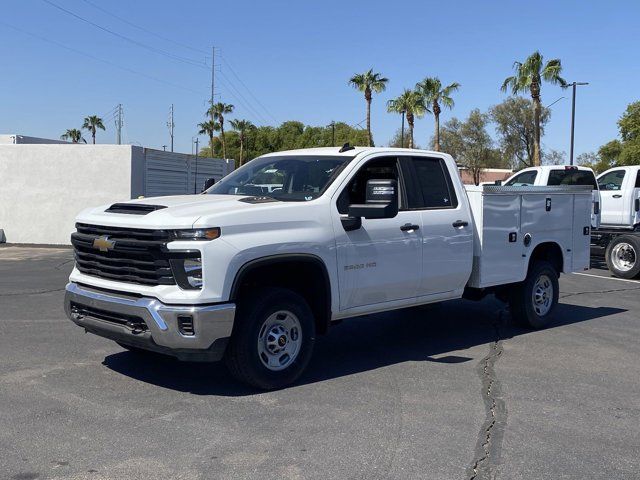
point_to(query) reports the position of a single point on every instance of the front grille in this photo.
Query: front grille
(132, 255)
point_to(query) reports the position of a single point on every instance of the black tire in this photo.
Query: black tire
(625, 248)
(242, 355)
(524, 309)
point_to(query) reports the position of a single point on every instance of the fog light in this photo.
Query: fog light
(193, 270)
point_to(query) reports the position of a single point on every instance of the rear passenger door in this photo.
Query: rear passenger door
(446, 224)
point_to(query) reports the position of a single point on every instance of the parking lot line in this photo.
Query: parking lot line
(608, 278)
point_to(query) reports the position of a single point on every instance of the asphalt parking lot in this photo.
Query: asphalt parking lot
(450, 391)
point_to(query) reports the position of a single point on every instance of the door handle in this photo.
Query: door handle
(617, 196)
(459, 223)
(408, 226)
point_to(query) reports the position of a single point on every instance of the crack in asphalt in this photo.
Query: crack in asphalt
(599, 292)
(37, 292)
(490, 437)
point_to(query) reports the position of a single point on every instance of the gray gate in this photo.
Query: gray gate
(169, 173)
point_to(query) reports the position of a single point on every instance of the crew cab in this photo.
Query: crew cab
(618, 239)
(252, 278)
(554, 175)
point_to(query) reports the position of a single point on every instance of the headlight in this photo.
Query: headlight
(187, 272)
(197, 234)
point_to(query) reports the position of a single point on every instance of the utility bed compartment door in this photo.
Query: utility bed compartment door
(497, 242)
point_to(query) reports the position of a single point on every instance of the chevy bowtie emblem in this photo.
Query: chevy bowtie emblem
(103, 244)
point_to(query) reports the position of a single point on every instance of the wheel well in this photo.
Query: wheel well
(304, 274)
(549, 252)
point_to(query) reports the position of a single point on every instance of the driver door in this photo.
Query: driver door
(612, 200)
(382, 260)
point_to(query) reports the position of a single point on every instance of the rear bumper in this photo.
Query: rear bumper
(149, 324)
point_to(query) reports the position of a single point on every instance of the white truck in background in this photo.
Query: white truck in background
(253, 277)
(618, 238)
(555, 175)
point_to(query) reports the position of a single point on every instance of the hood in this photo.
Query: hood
(179, 211)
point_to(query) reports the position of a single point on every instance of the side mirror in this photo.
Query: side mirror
(498, 183)
(208, 183)
(381, 200)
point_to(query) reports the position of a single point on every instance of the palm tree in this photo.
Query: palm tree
(528, 77)
(217, 112)
(92, 123)
(435, 95)
(208, 128)
(369, 82)
(242, 127)
(74, 135)
(412, 104)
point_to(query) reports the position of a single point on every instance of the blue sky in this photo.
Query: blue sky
(296, 58)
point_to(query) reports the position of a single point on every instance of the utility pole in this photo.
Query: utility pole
(195, 177)
(333, 133)
(573, 116)
(119, 125)
(213, 66)
(171, 125)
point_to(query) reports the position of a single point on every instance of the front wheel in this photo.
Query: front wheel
(622, 256)
(272, 340)
(532, 302)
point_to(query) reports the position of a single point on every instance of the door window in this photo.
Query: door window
(377, 169)
(432, 187)
(612, 180)
(524, 179)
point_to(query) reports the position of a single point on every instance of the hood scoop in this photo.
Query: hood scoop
(262, 199)
(133, 208)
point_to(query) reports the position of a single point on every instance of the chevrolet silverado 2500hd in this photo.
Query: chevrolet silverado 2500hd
(618, 238)
(251, 275)
(556, 175)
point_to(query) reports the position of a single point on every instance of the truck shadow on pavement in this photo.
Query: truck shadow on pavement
(431, 333)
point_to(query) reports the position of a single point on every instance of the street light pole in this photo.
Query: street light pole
(402, 131)
(573, 117)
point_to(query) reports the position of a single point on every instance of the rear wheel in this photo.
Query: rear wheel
(623, 256)
(273, 339)
(532, 302)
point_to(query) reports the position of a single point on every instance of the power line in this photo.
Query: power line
(93, 57)
(135, 25)
(247, 88)
(128, 39)
(244, 101)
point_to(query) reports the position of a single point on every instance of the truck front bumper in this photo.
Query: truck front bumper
(188, 332)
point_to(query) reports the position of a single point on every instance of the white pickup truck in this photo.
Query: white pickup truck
(618, 239)
(252, 278)
(555, 175)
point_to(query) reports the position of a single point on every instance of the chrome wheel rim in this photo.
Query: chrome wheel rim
(279, 340)
(623, 257)
(542, 295)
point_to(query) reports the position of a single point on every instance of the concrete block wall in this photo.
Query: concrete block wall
(43, 187)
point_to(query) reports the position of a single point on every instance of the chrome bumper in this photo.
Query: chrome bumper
(147, 323)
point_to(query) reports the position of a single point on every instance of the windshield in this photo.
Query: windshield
(288, 178)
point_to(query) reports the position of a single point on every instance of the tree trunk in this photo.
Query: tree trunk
(367, 96)
(535, 95)
(93, 136)
(211, 141)
(241, 148)
(224, 148)
(436, 116)
(410, 123)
